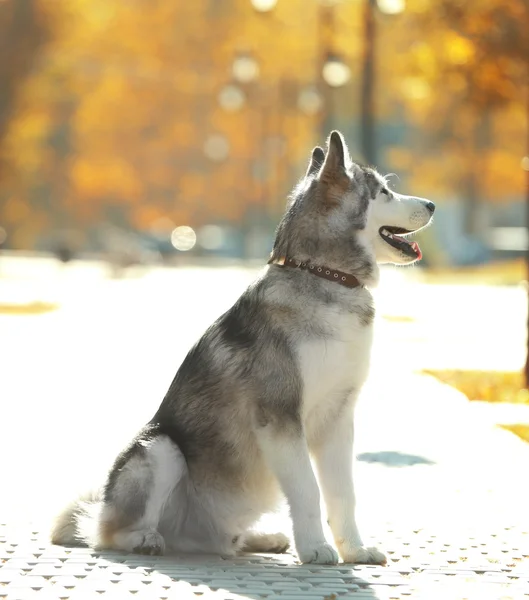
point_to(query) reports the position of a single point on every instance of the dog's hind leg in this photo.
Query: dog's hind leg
(138, 487)
(273, 543)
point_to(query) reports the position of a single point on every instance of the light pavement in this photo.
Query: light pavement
(440, 489)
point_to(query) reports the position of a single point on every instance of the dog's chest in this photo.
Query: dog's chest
(332, 368)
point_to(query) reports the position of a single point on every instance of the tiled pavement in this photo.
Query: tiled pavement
(494, 565)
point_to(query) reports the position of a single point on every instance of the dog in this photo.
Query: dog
(270, 385)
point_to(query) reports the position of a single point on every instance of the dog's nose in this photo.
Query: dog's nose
(430, 206)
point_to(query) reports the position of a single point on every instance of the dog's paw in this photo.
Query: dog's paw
(364, 556)
(268, 543)
(148, 542)
(275, 543)
(324, 554)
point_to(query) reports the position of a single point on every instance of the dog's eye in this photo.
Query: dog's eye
(384, 191)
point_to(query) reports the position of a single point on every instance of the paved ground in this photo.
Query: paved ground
(422, 565)
(440, 490)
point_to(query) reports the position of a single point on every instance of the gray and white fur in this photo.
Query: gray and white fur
(270, 385)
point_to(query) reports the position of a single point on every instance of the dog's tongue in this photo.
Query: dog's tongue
(414, 245)
(417, 250)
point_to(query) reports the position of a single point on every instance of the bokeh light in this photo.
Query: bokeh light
(310, 101)
(336, 73)
(211, 237)
(217, 147)
(392, 7)
(183, 238)
(231, 98)
(245, 69)
(264, 5)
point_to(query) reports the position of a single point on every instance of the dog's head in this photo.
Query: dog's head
(343, 215)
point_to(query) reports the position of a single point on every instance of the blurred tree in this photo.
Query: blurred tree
(117, 121)
(135, 115)
(461, 85)
(22, 31)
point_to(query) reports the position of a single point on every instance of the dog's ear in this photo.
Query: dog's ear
(316, 161)
(334, 164)
(333, 174)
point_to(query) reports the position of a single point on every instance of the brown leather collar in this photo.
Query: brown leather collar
(345, 279)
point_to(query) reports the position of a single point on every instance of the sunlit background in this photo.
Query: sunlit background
(147, 148)
(163, 130)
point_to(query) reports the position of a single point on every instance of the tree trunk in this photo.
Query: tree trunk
(22, 31)
(368, 138)
(526, 167)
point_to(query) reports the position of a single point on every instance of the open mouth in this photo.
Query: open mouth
(392, 236)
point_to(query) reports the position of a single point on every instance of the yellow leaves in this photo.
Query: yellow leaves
(143, 217)
(99, 13)
(194, 185)
(420, 6)
(456, 82)
(458, 50)
(143, 78)
(109, 178)
(15, 210)
(183, 132)
(423, 56)
(434, 172)
(24, 234)
(31, 308)
(503, 172)
(488, 386)
(25, 137)
(34, 125)
(400, 158)
(415, 88)
(519, 429)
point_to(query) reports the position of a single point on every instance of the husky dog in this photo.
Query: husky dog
(270, 385)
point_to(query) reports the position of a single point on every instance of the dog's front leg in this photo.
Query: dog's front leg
(334, 462)
(287, 455)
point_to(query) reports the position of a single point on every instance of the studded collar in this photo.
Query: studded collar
(345, 279)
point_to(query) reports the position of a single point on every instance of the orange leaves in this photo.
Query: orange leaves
(145, 216)
(458, 50)
(459, 82)
(15, 210)
(503, 172)
(488, 386)
(112, 177)
(123, 107)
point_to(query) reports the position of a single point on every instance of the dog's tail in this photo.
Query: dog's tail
(77, 523)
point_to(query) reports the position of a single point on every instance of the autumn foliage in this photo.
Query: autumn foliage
(122, 117)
